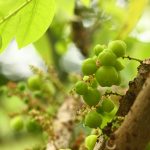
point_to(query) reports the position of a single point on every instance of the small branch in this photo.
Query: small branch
(63, 125)
(131, 58)
(15, 11)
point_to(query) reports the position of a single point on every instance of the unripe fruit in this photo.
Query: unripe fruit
(89, 66)
(95, 58)
(34, 82)
(106, 76)
(81, 87)
(48, 88)
(118, 65)
(98, 49)
(118, 47)
(17, 123)
(37, 94)
(119, 79)
(21, 86)
(107, 105)
(100, 110)
(107, 58)
(93, 119)
(94, 83)
(90, 142)
(92, 97)
(33, 126)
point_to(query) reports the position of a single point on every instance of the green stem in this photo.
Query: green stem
(15, 11)
(131, 58)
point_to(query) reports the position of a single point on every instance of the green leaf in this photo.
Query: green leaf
(86, 2)
(43, 47)
(0, 41)
(8, 30)
(35, 19)
(133, 14)
(65, 7)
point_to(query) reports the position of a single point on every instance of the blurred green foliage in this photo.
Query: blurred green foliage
(116, 21)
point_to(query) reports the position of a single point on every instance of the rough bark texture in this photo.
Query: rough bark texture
(135, 87)
(134, 133)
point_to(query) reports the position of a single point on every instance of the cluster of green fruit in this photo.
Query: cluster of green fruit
(37, 84)
(17, 123)
(103, 69)
(93, 118)
(105, 65)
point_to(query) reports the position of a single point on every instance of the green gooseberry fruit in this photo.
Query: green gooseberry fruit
(21, 86)
(33, 126)
(34, 82)
(81, 87)
(118, 47)
(95, 58)
(92, 97)
(106, 76)
(98, 49)
(37, 94)
(107, 58)
(93, 119)
(48, 88)
(107, 105)
(118, 65)
(89, 66)
(119, 79)
(94, 83)
(90, 142)
(100, 110)
(17, 123)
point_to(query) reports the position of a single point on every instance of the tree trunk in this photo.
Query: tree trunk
(134, 133)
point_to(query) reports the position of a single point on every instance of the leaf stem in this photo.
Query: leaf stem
(113, 93)
(131, 58)
(15, 11)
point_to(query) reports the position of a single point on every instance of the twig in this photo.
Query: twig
(131, 58)
(113, 93)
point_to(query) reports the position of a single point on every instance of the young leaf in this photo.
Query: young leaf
(35, 19)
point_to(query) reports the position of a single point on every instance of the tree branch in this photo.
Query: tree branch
(134, 133)
(135, 87)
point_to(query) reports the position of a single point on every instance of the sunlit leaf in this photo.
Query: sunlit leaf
(66, 6)
(86, 2)
(35, 19)
(43, 47)
(0, 41)
(133, 14)
(8, 30)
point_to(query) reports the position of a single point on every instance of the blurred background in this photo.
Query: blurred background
(77, 27)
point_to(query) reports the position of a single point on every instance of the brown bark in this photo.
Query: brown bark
(134, 133)
(80, 34)
(135, 87)
(63, 125)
